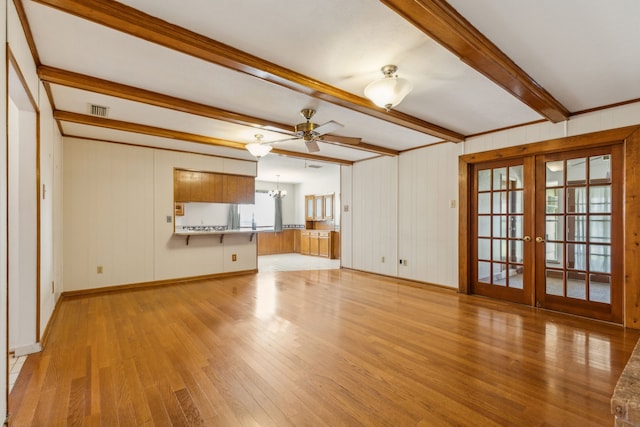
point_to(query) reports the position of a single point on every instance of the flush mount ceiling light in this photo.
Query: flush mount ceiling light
(258, 149)
(388, 91)
(277, 193)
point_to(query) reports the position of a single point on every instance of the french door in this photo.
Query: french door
(548, 231)
(502, 230)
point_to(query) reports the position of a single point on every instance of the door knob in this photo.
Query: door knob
(527, 238)
(539, 239)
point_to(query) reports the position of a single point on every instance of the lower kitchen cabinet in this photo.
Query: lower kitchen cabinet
(317, 242)
(276, 242)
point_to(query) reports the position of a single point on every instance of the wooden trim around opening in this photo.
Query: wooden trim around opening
(630, 135)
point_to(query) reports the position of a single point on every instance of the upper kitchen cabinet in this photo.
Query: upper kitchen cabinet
(319, 207)
(187, 186)
(318, 213)
(239, 189)
(309, 204)
(196, 186)
(328, 206)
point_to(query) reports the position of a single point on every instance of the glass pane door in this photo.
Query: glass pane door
(499, 231)
(576, 232)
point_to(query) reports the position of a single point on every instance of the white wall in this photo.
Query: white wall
(346, 220)
(3, 218)
(426, 182)
(23, 243)
(374, 200)
(428, 214)
(626, 115)
(289, 203)
(108, 214)
(118, 215)
(325, 180)
(50, 212)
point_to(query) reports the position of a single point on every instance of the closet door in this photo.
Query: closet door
(501, 227)
(578, 232)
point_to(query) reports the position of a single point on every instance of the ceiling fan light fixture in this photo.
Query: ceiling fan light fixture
(388, 91)
(258, 149)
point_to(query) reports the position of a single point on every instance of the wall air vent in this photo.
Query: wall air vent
(98, 110)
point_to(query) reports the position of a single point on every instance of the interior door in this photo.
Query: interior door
(502, 227)
(579, 232)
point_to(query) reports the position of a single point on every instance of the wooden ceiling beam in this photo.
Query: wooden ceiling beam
(441, 22)
(84, 119)
(131, 21)
(58, 76)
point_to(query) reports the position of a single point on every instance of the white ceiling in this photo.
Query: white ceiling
(585, 53)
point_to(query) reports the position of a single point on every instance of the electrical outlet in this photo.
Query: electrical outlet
(234, 257)
(382, 259)
(169, 219)
(452, 203)
(99, 269)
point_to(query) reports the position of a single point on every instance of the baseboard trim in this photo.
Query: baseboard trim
(156, 283)
(406, 282)
(47, 329)
(26, 349)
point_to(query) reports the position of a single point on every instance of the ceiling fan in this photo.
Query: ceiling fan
(311, 132)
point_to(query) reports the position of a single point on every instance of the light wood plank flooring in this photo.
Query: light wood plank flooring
(315, 348)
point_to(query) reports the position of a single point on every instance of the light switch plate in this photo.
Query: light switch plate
(169, 219)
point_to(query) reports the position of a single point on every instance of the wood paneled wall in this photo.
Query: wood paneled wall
(117, 201)
(374, 216)
(427, 214)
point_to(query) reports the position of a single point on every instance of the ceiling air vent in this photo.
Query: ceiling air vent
(98, 110)
(314, 166)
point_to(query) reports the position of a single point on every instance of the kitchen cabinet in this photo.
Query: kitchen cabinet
(239, 189)
(196, 186)
(309, 207)
(317, 243)
(318, 212)
(328, 206)
(276, 242)
(186, 186)
(304, 242)
(318, 207)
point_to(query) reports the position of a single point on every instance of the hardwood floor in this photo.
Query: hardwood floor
(330, 347)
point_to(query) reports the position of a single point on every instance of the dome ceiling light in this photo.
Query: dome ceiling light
(257, 148)
(388, 91)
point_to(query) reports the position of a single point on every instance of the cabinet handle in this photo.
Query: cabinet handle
(527, 238)
(539, 239)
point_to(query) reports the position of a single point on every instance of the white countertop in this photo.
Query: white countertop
(200, 233)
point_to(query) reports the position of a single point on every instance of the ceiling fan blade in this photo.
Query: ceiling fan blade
(281, 140)
(327, 128)
(312, 146)
(346, 140)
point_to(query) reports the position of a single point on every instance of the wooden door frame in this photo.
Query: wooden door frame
(630, 138)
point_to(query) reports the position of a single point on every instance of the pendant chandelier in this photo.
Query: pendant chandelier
(277, 193)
